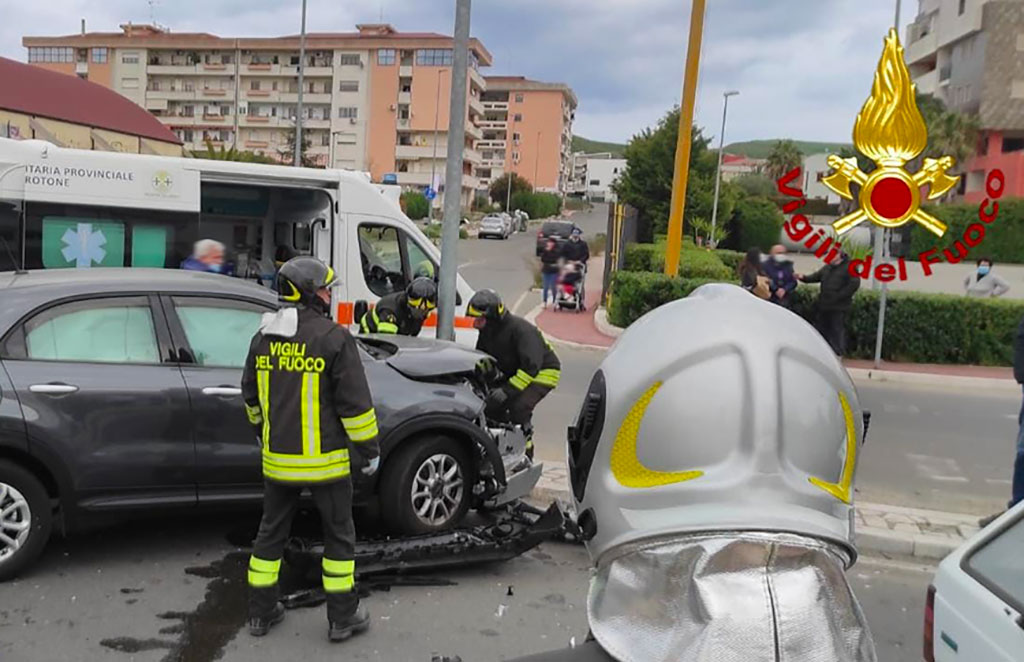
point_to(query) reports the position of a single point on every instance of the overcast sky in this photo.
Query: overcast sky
(803, 67)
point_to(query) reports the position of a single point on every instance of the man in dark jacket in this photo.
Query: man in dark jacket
(838, 286)
(576, 250)
(780, 269)
(402, 312)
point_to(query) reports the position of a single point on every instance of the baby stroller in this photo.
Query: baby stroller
(570, 288)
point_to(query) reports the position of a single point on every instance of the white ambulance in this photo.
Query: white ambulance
(75, 209)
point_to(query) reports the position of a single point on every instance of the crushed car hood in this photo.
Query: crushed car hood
(421, 358)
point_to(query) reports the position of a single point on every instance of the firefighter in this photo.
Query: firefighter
(306, 394)
(402, 312)
(712, 471)
(521, 353)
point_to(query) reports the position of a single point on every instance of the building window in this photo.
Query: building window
(188, 111)
(516, 137)
(350, 59)
(51, 54)
(348, 112)
(225, 111)
(325, 140)
(273, 86)
(386, 57)
(518, 117)
(519, 98)
(348, 86)
(129, 83)
(962, 8)
(254, 85)
(130, 58)
(434, 57)
(595, 182)
(1012, 144)
(294, 60)
(99, 55)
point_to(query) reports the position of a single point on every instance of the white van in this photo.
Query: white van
(65, 208)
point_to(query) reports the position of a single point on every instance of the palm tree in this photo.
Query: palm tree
(785, 156)
(233, 154)
(953, 134)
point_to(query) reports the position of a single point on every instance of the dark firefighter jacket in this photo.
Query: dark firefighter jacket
(521, 351)
(391, 315)
(307, 395)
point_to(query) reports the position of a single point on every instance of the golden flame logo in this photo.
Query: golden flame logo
(890, 131)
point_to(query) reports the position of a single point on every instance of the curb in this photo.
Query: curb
(932, 379)
(531, 317)
(604, 326)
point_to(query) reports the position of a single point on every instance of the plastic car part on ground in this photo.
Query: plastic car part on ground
(508, 533)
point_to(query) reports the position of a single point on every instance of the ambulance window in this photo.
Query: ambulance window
(381, 255)
(420, 263)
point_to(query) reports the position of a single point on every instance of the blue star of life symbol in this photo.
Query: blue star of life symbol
(83, 246)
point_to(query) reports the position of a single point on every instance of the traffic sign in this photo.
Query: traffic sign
(429, 193)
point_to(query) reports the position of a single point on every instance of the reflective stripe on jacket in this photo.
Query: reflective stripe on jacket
(391, 315)
(521, 351)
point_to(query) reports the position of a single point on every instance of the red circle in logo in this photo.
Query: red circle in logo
(891, 197)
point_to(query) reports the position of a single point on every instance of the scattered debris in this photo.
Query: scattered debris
(510, 593)
(129, 591)
(129, 645)
(501, 611)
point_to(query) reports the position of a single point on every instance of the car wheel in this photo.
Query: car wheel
(25, 519)
(427, 486)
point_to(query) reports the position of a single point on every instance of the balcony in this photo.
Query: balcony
(216, 92)
(405, 71)
(263, 95)
(473, 131)
(921, 49)
(215, 118)
(476, 106)
(261, 69)
(307, 97)
(403, 124)
(928, 83)
(317, 123)
(225, 69)
(404, 98)
(171, 95)
(416, 152)
(413, 178)
(491, 144)
(171, 69)
(260, 121)
(256, 144)
(492, 125)
(177, 120)
(472, 156)
(476, 79)
(307, 72)
(496, 106)
(156, 104)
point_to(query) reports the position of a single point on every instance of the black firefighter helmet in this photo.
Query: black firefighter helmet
(486, 304)
(301, 277)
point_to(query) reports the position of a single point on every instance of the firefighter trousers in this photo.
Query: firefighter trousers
(518, 409)
(280, 502)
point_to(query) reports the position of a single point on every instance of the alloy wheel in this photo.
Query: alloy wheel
(437, 489)
(15, 521)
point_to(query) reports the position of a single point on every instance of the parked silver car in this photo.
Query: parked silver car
(495, 226)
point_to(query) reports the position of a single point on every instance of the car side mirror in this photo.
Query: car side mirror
(359, 310)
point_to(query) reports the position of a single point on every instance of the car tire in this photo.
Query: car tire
(408, 473)
(19, 486)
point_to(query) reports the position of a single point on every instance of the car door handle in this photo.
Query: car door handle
(53, 389)
(222, 391)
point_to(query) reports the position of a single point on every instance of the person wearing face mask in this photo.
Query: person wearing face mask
(983, 283)
(403, 312)
(207, 255)
(780, 269)
(838, 286)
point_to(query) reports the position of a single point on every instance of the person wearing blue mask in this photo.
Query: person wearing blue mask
(983, 283)
(207, 255)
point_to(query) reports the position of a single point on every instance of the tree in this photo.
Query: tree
(499, 188)
(756, 185)
(757, 222)
(415, 205)
(233, 154)
(785, 156)
(288, 151)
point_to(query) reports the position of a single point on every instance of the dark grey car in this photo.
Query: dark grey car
(119, 392)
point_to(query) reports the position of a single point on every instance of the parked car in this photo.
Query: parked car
(120, 393)
(975, 605)
(494, 226)
(560, 231)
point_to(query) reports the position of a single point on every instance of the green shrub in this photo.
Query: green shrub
(537, 205)
(729, 258)
(919, 327)
(415, 205)
(1004, 237)
(694, 262)
(757, 222)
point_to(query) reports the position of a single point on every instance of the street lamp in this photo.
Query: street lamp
(298, 107)
(718, 173)
(433, 160)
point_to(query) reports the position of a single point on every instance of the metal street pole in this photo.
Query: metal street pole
(880, 254)
(453, 173)
(682, 165)
(433, 160)
(298, 105)
(718, 173)
(508, 152)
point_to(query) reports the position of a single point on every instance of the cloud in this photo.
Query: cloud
(803, 67)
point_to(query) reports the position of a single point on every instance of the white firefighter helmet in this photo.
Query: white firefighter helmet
(717, 412)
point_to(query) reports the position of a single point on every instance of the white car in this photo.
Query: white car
(494, 226)
(975, 608)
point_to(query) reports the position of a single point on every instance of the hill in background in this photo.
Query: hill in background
(760, 149)
(581, 144)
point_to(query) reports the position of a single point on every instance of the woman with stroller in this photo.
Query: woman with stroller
(550, 259)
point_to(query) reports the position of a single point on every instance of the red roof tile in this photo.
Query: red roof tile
(36, 91)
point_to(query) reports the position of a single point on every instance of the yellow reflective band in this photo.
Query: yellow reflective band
(306, 476)
(387, 327)
(330, 277)
(364, 433)
(311, 414)
(261, 579)
(367, 417)
(548, 377)
(263, 387)
(254, 413)
(263, 565)
(625, 464)
(841, 490)
(338, 568)
(339, 584)
(302, 462)
(363, 325)
(415, 303)
(263, 573)
(472, 312)
(521, 379)
(294, 296)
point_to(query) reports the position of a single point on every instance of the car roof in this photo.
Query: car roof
(25, 291)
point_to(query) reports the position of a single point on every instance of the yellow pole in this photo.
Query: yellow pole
(682, 168)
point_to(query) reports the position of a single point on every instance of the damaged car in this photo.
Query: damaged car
(120, 393)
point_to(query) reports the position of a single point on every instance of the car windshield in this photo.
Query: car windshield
(999, 564)
(560, 229)
(492, 221)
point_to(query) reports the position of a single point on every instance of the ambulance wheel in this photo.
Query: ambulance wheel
(427, 486)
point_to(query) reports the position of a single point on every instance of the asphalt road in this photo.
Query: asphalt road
(174, 591)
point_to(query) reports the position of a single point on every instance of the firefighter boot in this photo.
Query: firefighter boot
(357, 623)
(260, 625)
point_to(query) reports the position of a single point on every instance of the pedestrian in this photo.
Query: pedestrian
(527, 361)
(1017, 483)
(779, 269)
(983, 283)
(838, 286)
(207, 255)
(402, 312)
(576, 249)
(307, 397)
(549, 267)
(686, 569)
(752, 276)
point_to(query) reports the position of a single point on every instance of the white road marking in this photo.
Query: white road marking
(942, 469)
(999, 481)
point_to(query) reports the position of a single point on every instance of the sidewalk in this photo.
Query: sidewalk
(880, 530)
(577, 328)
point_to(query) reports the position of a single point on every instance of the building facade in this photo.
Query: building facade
(735, 165)
(527, 129)
(970, 54)
(815, 169)
(594, 175)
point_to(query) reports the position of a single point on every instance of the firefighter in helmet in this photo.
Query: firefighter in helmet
(402, 312)
(522, 355)
(306, 395)
(712, 473)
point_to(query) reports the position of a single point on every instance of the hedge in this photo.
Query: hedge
(537, 205)
(1004, 237)
(730, 259)
(919, 327)
(415, 205)
(694, 263)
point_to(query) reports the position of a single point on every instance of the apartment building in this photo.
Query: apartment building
(595, 174)
(970, 54)
(374, 100)
(527, 129)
